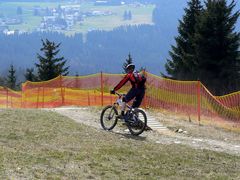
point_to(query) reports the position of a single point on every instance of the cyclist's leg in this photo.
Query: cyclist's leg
(137, 102)
(139, 97)
(129, 96)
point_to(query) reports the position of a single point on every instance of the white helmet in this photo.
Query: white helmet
(130, 66)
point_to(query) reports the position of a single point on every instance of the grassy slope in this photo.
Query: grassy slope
(39, 144)
(141, 15)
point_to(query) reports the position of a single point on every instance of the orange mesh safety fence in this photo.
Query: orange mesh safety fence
(188, 98)
(176, 96)
(192, 99)
(10, 98)
(91, 90)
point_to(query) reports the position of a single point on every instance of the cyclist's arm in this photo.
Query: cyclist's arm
(122, 82)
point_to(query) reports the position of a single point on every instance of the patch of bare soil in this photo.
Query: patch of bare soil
(179, 131)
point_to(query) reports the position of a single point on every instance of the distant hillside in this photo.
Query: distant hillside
(148, 45)
(104, 51)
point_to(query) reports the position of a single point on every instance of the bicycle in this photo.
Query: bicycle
(135, 119)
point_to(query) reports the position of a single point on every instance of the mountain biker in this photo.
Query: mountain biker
(137, 91)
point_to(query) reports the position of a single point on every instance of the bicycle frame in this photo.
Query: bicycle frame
(131, 118)
(120, 96)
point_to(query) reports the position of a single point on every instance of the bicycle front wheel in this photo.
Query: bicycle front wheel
(108, 117)
(138, 122)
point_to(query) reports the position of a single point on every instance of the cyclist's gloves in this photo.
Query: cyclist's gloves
(112, 91)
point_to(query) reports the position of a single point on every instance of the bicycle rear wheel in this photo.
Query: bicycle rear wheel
(108, 117)
(138, 122)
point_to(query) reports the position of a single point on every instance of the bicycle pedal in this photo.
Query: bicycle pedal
(124, 121)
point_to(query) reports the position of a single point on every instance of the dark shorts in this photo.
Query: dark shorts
(136, 93)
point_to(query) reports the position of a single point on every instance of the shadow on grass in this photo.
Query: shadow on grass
(129, 136)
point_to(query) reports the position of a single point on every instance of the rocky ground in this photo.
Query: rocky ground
(172, 131)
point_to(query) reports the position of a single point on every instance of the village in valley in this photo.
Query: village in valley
(60, 18)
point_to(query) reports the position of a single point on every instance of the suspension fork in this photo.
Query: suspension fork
(110, 115)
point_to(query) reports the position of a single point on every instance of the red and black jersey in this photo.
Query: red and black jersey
(134, 78)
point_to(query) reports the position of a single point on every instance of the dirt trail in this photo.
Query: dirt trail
(204, 138)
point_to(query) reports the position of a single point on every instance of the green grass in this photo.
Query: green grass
(37, 144)
(141, 15)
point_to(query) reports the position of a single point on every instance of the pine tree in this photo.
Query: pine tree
(2, 81)
(142, 69)
(11, 78)
(29, 75)
(182, 63)
(125, 16)
(217, 47)
(19, 10)
(127, 62)
(36, 12)
(49, 66)
(129, 15)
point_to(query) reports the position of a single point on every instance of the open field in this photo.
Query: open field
(140, 15)
(36, 144)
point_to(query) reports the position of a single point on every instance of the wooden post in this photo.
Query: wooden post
(88, 99)
(43, 98)
(37, 97)
(102, 88)
(7, 97)
(11, 102)
(111, 101)
(21, 99)
(62, 93)
(144, 98)
(199, 100)
(24, 98)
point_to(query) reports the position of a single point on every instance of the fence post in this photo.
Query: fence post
(111, 101)
(88, 99)
(24, 99)
(145, 96)
(62, 93)
(37, 97)
(43, 98)
(102, 88)
(11, 102)
(7, 97)
(21, 99)
(199, 100)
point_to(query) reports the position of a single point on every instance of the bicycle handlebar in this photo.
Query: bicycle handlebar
(118, 94)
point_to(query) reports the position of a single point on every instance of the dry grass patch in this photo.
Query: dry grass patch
(209, 131)
(36, 144)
